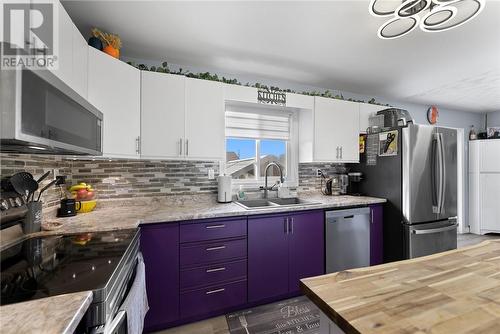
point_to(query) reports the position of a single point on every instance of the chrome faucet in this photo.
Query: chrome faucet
(266, 188)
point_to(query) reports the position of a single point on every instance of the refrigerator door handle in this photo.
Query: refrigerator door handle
(442, 172)
(435, 230)
(434, 191)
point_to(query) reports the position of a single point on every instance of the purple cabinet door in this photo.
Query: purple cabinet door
(267, 257)
(376, 233)
(160, 248)
(306, 247)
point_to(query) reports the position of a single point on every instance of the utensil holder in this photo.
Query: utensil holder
(33, 219)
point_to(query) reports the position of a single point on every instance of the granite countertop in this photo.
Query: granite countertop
(59, 314)
(452, 292)
(125, 214)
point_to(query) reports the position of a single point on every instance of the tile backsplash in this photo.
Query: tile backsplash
(117, 178)
(123, 178)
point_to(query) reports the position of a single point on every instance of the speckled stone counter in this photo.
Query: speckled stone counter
(125, 214)
(59, 314)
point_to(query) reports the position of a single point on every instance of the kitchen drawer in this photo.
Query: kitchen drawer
(215, 298)
(212, 274)
(191, 255)
(211, 230)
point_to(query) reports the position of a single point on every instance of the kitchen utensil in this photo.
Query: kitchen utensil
(45, 188)
(43, 177)
(85, 206)
(33, 219)
(24, 184)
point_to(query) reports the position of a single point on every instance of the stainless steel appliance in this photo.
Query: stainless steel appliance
(347, 239)
(102, 262)
(420, 183)
(41, 114)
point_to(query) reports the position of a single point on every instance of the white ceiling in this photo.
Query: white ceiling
(330, 44)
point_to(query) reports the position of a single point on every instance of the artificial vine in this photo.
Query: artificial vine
(163, 68)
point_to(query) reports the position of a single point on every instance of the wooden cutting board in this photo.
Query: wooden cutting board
(452, 292)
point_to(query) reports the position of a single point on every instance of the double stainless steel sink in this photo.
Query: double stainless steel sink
(263, 203)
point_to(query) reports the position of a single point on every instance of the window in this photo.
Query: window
(254, 138)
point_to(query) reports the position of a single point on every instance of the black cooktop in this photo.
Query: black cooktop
(48, 266)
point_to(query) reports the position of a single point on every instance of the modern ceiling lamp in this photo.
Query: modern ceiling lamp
(430, 15)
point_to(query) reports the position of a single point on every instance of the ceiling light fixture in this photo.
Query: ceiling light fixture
(430, 15)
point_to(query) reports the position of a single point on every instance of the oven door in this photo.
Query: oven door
(427, 239)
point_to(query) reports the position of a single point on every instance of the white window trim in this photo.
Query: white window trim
(292, 178)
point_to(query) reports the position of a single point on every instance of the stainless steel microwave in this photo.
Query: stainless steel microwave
(42, 114)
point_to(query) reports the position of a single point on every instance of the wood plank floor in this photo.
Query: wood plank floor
(218, 325)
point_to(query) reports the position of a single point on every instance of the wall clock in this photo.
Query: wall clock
(432, 114)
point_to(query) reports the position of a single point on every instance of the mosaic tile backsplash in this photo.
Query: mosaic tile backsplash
(122, 178)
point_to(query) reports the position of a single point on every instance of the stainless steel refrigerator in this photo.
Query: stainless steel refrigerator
(419, 179)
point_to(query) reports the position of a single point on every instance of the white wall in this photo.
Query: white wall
(494, 118)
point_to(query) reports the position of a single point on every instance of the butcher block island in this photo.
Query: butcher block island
(452, 292)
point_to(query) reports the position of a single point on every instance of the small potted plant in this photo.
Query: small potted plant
(112, 43)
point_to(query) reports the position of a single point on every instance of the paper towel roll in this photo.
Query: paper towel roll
(224, 189)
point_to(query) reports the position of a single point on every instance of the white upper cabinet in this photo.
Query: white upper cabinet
(114, 89)
(240, 93)
(205, 125)
(162, 115)
(490, 156)
(336, 130)
(365, 111)
(299, 101)
(65, 27)
(80, 63)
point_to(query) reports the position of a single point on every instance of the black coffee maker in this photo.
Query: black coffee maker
(354, 183)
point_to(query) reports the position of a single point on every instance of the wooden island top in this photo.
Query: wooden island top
(452, 292)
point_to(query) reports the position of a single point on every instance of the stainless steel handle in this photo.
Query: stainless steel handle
(215, 270)
(215, 226)
(187, 146)
(285, 223)
(341, 151)
(114, 326)
(215, 291)
(438, 163)
(442, 169)
(180, 146)
(215, 248)
(138, 145)
(291, 224)
(435, 230)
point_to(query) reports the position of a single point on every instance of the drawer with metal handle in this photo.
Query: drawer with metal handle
(214, 298)
(212, 274)
(211, 230)
(217, 251)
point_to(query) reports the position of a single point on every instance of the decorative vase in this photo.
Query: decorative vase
(113, 52)
(95, 43)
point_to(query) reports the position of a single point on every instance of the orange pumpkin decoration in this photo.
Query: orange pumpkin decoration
(113, 52)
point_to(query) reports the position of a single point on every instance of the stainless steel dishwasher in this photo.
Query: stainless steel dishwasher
(347, 239)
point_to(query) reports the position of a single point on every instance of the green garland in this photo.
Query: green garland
(163, 68)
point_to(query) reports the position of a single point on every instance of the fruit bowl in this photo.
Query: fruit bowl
(85, 206)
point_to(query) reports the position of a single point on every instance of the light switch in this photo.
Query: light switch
(211, 174)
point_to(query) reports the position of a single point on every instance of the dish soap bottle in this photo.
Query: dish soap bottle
(241, 193)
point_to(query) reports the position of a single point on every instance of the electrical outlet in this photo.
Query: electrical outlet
(318, 172)
(55, 173)
(211, 174)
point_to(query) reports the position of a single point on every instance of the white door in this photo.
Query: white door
(80, 63)
(336, 130)
(162, 115)
(205, 127)
(365, 111)
(114, 89)
(64, 69)
(490, 203)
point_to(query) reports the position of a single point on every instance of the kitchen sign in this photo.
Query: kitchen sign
(271, 97)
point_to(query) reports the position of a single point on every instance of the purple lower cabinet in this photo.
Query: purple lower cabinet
(267, 257)
(306, 247)
(376, 235)
(160, 248)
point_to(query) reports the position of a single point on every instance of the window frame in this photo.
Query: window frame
(292, 159)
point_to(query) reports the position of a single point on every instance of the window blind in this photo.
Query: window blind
(245, 123)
